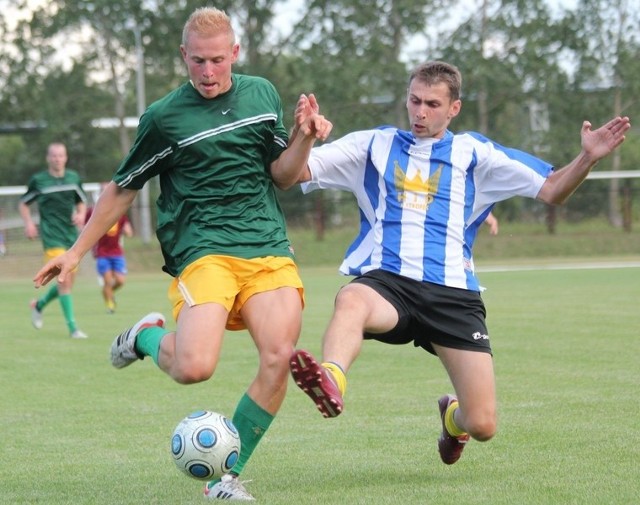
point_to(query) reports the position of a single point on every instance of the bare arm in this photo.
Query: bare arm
(111, 205)
(291, 167)
(79, 215)
(492, 222)
(30, 228)
(596, 144)
(127, 229)
(305, 107)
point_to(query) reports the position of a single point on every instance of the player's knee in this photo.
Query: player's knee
(349, 299)
(191, 373)
(276, 358)
(482, 428)
(273, 372)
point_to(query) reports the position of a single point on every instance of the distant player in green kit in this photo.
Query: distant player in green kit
(219, 146)
(62, 206)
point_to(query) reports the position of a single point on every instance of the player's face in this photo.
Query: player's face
(56, 158)
(430, 109)
(209, 60)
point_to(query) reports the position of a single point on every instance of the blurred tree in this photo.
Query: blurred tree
(63, 102)
(352, 54)
(607, 45)
(101, 34)
(508, 53)
(349, 55)
(513, 55)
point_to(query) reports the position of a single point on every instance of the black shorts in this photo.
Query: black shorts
(430, 313)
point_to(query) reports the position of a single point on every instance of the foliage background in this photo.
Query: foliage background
(533, 71)
(566, 342)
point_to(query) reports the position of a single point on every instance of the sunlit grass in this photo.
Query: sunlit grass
(76, 431)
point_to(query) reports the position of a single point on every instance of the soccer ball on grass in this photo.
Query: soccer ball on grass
(205, 445)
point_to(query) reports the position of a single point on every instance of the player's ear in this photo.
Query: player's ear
(454, 110)
(235, 52)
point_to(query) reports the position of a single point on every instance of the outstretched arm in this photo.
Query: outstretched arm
(596, 144)
(112, 204)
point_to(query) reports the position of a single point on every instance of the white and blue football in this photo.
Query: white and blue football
(205, 445)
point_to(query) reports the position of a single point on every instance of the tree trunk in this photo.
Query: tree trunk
(614, 185)
(626, 206)
(552, 219)
(320, 215)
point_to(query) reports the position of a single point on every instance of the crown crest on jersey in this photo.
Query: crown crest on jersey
(416, 184)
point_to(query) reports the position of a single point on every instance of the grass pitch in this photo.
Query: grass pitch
(566, 346)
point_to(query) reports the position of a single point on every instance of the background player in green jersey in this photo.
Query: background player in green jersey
(62, 207)
(218, 145)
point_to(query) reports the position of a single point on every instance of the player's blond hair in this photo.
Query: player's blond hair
(206, 21)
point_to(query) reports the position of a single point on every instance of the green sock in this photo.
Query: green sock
(52, 294)
(252, 422)
(148, 342)
(66, 302)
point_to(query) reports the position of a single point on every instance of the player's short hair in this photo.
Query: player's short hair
(208, 21)
(435, 72)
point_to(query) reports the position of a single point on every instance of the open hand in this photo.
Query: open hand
(308, 119)
(58, 267)
(601, 142)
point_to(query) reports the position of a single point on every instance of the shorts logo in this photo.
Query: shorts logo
(480, 336)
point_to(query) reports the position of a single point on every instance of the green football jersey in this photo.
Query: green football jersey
(56, 198)
(212, 157)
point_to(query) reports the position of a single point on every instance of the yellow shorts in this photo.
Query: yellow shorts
(230, 282)
(54, 252)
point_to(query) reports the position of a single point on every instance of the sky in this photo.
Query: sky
(289, 12)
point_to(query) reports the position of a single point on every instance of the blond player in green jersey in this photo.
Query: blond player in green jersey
(219, 146)
(61, 204)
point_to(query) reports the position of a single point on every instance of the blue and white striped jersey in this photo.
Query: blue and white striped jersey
(422, 200)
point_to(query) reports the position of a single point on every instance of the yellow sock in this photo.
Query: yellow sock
(338, 376)
(449, 421)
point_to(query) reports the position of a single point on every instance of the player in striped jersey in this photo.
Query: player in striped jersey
(219, 146)
(422, 195)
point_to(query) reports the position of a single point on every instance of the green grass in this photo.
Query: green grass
(76, 431)
(516, 243)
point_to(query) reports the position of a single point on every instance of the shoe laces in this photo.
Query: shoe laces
(233, 485)
(236, 483)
